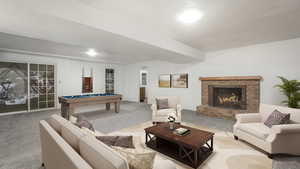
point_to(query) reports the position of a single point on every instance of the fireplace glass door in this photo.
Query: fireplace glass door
(232, 97)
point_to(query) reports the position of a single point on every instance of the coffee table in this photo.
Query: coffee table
(191, 149)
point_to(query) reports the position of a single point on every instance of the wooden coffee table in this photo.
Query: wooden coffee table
(191, 149)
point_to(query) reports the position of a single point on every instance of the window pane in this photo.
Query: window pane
(43, 105)
(42, 67)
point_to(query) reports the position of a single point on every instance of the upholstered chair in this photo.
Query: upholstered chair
(174, 109)
(279, 139)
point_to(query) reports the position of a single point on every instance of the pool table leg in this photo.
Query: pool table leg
(107, 106)
(117, 107)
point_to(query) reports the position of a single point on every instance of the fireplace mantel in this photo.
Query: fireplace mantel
(251, 89)
(226, 78)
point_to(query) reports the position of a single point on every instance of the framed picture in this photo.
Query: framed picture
(164, 81)
(179, 80)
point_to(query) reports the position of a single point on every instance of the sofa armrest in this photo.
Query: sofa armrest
(248, 118)
(154, 110)
(154, 107)
(286, 129)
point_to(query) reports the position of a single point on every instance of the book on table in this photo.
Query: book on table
(181, 131)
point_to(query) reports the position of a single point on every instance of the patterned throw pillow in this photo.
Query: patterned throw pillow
(83, 122)
(162, 103)
(119, 141)
(137, 159)
(277, 118)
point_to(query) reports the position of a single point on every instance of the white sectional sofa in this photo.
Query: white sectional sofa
(66, 146)
(279, 139)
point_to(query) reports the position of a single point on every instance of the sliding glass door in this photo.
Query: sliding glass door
(20, 81)
(13, 87)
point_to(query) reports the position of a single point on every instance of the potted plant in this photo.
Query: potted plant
(291, 89)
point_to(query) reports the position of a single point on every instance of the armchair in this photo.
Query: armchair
(279, 139)
(161, 115)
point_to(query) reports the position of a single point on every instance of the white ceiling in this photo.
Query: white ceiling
(138, 30)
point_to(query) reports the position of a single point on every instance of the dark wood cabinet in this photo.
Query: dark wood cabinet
(87, 85)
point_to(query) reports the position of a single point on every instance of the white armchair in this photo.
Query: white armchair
(279, 139)
(161, 115)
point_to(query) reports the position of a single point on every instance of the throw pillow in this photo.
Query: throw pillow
(137, 159)
(119, 141)
(276, 118)
(162, 103)
(83, 122)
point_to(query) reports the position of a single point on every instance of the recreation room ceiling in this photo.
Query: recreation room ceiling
(139, 30)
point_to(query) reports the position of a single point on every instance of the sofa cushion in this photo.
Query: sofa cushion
(166, 112)
(258, 130)
(56, 122)
(99, 155)
(277, 118)
(72, 134)
(162, 104)
(137, 158)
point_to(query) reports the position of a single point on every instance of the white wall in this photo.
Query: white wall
(267, 60)
(69, 72)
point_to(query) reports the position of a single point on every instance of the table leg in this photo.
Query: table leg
(212, 144)
(63, 109)
(195, 158)
(71, 111)
(117, 107)
(107, 106)
(180, 152)
(146, 138)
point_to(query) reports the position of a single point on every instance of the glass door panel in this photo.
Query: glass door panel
(42, 86)
(13, 87)
(34, 86)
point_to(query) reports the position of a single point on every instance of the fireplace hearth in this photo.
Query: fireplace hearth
(227, 96)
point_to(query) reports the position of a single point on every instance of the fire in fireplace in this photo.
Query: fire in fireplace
(233, 97)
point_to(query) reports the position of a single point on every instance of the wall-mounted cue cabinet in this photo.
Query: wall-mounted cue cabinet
(109, 81)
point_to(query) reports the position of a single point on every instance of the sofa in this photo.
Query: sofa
(161, 115)
(66, 146)
(279, 139)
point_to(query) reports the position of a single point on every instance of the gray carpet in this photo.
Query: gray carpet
(19, 134)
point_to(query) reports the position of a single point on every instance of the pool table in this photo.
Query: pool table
(68, 103)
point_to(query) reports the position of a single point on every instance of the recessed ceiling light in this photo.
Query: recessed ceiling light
(91, 52)
(190, 16)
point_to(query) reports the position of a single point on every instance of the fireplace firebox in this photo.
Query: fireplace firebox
(231, 97)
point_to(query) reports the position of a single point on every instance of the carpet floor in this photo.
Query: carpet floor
(20, 144)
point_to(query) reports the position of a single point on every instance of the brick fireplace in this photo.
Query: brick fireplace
(227, 96)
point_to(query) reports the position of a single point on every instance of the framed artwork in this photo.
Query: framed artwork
(179, 80)
(164, 81)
